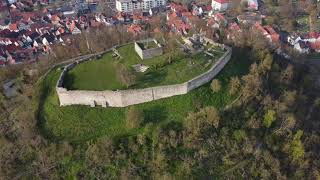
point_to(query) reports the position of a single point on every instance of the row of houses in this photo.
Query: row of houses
(179, 19)
(25, 34)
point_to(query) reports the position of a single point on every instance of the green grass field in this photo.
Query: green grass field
(101, 74)
(81, 123)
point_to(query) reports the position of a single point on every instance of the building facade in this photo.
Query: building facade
(220, 5)
(129, 6)
(223, 5)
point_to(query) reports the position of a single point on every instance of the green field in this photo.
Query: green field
(81, 123)
(101, 74)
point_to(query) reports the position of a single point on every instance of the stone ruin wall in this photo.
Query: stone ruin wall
(123, 98)
(209, 75)
(148, 53)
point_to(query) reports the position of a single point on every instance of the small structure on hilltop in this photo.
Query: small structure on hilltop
(147, 49)
(199, 43)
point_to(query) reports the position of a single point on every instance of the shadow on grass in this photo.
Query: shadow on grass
(155, 114)
(151, 78)
(45, 88)
(69, 79)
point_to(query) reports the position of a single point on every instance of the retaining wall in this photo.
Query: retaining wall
(123, 98)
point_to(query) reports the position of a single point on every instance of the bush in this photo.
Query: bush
(269, 117)
(234, 85)
(125, 75)
(239, 135)
(215, 85)
(296, 148)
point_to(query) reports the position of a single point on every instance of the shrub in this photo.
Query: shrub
(269, 117)
(296, 148)
(215, 85)
(234, 85)
(126, 76)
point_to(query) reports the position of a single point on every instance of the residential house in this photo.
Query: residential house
(134, 29)
(302, 47)
(129, 6)
(223, 5)
(252, 4)
(220, 5)
(220, 18)
(269, 33)
(233, 30)
(250, 18)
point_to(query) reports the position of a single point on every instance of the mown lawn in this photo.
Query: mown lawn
(81, 123)
(101, 74)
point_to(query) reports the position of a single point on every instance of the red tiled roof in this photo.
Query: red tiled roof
(135, 29)
(211, 22)
(219, 16)
(209, 8)
(269, 32)
(178, 7)
(11, 48)
(234, 26)
(314, 35)
(315, 45)
(260, 28)
(13, 27)
(55, 18)
(186, 14)
(270, 29)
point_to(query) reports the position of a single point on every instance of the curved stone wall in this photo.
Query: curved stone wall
(123, 98)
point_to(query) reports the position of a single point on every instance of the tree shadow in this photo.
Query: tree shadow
(151, 78)
(45, 88)
(155, 114)
(68, 81)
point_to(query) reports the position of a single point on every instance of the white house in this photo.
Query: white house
(301, 47)
(12, 1)
(220, 5)
(252, 4)
(144, 5)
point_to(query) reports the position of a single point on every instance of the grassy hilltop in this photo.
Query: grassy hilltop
(80, 123)
(102, 74)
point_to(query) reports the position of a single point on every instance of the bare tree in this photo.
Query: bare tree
(125, 75)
